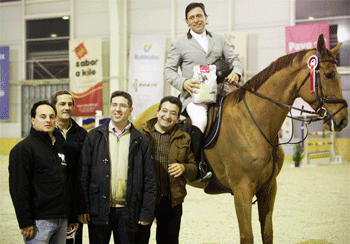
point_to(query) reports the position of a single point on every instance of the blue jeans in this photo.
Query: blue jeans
(49, 231)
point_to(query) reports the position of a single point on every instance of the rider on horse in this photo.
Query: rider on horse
(197, 47)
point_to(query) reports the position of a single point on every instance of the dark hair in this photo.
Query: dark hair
(37, 104)
(58, 93)
(195, 5)
(122, 94)
(173, 100)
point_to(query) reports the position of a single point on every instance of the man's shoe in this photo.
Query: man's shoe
(206, 177)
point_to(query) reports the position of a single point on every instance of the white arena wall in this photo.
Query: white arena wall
(264, 22)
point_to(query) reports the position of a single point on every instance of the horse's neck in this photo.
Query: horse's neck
(280, 87)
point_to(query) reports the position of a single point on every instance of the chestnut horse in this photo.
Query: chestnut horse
(246, 156)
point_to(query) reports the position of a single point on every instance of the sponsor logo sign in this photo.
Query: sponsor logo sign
(4, 82)
(85, 61)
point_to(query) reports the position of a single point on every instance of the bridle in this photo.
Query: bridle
(321, 112)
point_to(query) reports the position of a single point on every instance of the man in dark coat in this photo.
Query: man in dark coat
(117, 178)
(38, 181)
(71, 137)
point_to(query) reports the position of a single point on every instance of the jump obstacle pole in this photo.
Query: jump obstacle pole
(330, 154)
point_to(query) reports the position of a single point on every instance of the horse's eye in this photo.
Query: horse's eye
(329, 75)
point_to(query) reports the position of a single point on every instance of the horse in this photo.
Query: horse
(246, 156)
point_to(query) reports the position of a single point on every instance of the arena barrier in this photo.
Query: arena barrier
(311, 149)
(91, 123)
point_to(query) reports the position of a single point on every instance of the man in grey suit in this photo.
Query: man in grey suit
(197, 47)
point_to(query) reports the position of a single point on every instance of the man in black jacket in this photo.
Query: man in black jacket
(71, 137)
(117, 178)
(38, 180)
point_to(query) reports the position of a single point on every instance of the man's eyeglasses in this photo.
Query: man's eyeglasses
(121, 105)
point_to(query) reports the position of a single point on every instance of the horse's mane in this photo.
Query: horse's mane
(256, 81)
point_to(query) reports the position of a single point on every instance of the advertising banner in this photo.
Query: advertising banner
(85, 64)
(146, 64)
(4, 82)
(305, 36)
(301, 37)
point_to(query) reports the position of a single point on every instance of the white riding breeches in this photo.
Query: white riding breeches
(198, 114)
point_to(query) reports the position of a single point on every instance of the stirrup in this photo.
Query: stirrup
(205, 175)
(203, 167)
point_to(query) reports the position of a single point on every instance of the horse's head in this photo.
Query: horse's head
(322, 87)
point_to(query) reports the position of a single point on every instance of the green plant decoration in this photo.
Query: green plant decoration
(297, 155)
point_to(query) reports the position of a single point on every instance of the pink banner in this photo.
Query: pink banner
(305, 36)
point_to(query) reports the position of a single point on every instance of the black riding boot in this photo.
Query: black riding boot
(197, 138)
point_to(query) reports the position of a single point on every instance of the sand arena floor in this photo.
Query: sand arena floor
(312, 206)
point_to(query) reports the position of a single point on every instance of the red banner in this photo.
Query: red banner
(86, 75)
(88, 102)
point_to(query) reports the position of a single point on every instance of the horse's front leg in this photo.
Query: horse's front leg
(243, 194)
(265, 205)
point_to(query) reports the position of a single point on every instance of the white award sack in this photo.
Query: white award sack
(207, 91)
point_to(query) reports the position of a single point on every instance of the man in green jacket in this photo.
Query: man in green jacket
(174, 163)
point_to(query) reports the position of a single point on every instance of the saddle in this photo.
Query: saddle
(211, 133)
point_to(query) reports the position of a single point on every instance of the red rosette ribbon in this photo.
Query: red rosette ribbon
(312, 63)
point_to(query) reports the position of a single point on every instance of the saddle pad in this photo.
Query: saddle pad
(215, 128)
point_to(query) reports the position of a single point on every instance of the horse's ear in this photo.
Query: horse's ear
(321, 44)
(335, 50)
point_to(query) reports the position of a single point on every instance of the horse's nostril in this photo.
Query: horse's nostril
(343, 123)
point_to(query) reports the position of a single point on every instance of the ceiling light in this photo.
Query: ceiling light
(53, 35)
(343, 32)
(65, 17)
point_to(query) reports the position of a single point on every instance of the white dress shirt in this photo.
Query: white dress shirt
(202, 39)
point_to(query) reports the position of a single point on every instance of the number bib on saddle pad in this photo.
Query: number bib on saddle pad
(207, 91)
